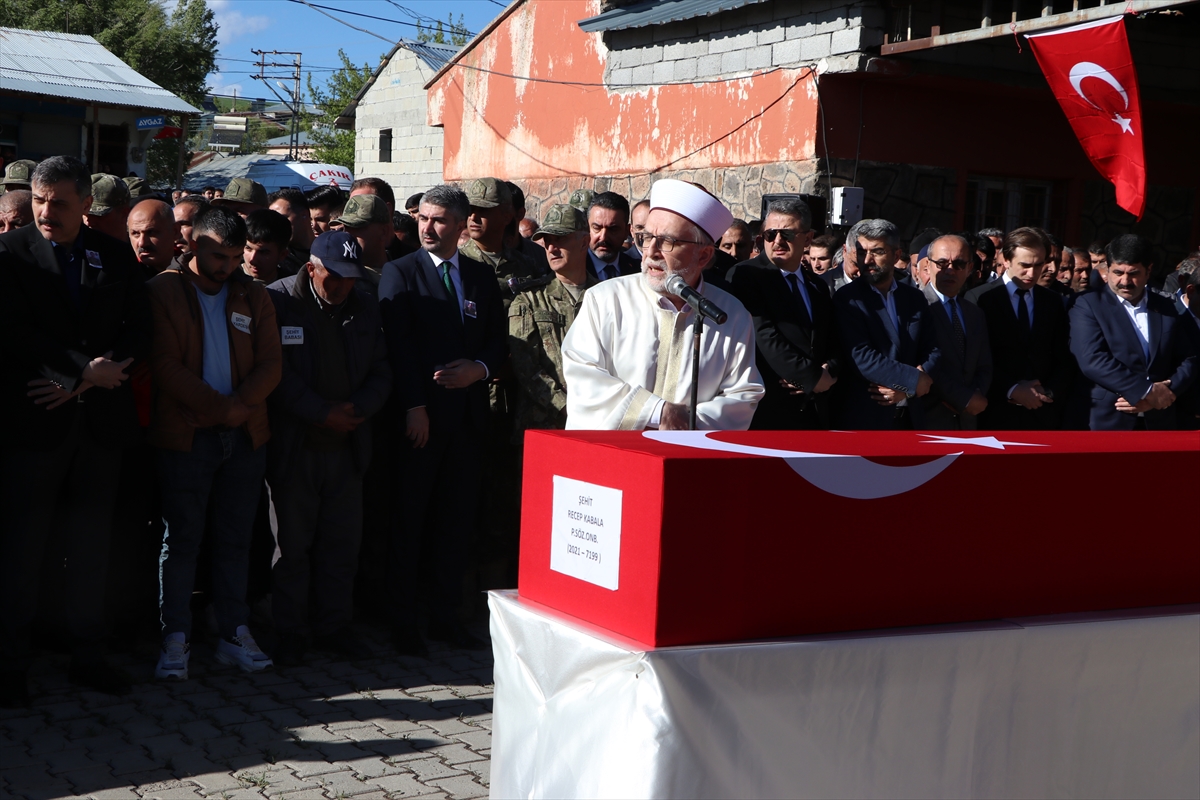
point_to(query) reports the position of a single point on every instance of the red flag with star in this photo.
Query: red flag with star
(1090, 70)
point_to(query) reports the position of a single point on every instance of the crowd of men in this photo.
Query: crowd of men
(322, 397)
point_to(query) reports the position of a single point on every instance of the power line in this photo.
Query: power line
(453, 29)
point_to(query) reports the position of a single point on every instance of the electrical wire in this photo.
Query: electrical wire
(381, 19)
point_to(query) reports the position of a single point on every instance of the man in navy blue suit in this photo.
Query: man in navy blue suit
(446, 334)
(1134, 349)
(880, 323)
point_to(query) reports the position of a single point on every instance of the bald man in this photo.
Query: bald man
(152, 235)
(16, 209)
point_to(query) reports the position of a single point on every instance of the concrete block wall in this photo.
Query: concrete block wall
(776, 33)
(397, 101)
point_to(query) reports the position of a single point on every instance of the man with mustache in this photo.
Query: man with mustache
(880, 322)
(152, 235)
(627, 359)
(77, 320)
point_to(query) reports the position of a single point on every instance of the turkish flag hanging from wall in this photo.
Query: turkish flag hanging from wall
(1090, 70)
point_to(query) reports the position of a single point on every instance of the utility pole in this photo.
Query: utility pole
(295, 104)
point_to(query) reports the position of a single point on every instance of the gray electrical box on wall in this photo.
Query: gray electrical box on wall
(846, 206)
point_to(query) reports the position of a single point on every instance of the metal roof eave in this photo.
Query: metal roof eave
(658, 12)
(106, 99)
(426, 52)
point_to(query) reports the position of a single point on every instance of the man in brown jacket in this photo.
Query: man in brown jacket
(216, 356)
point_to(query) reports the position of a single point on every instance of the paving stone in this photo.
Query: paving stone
(192, 763)
(54, 792)
(430, 768)
(481, 769)
(131, 761)
(475, 739)
(305, 768)
(58, 712)
(16, 756)
(116, 793)
(455, 753)
(215, 782)
(162, 747)
(34, 776)
(142, 727)
(206, 700)
(199, 730)
(460, 786)
(64, 761)
(225, 747)
(229, 715)
(287, 718)
(344, 783)
(403, 784)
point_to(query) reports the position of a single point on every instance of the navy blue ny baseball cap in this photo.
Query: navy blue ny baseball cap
(338, 252)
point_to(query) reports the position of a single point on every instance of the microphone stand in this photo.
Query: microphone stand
(697, 331)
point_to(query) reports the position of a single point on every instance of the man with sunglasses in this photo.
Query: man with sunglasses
(793, 323)
(627, 359)
(959, 357)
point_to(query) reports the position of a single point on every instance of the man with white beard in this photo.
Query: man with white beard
(627, 360)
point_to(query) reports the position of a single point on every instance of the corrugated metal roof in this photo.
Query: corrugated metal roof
(658, 12)
(75, 67)
(434, 55)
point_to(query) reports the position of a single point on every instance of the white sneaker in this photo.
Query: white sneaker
(243, 652)
(173, 659)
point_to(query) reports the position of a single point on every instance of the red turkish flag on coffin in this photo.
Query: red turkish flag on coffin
(1090, 70)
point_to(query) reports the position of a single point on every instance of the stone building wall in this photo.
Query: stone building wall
(760, 36)
(398, 101)
(914, 197)
(1167, 221)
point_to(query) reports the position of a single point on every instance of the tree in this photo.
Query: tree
(330, 144)
(458, 32)
(176, 50)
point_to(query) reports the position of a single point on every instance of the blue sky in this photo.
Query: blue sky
(286, 25)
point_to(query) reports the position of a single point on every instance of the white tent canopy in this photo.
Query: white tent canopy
(272, 171)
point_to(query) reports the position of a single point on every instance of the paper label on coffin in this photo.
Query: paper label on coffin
(585, 532)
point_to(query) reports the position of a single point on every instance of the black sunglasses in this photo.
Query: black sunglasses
(787, 234)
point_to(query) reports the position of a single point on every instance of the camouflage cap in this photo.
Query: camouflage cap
(363, 209)
(108, 192)
(137, 187)
(244, 190)
(488, 193)
(581, 199)
(561, 220)
(18, 174)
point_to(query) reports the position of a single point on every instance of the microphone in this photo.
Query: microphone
(678, 287)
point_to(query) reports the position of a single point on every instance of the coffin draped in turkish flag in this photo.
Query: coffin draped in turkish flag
(1090, 70)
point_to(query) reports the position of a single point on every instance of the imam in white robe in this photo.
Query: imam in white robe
(629, 350)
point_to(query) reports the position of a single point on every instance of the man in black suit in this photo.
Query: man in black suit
(1028, 330)
(879, 320)
(446, 333)
(960, 358)
(845, 270)
(76, 318)
(793, 323)
(608, 224)
(1135, 352)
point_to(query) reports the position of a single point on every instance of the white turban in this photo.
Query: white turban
(692, 203)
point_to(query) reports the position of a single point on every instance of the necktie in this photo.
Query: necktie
(609, 271)
(794, 285)
(1022, 311)
(449, 283)
(960, 336)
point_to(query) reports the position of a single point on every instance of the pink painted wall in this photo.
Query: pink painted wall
(499, 126)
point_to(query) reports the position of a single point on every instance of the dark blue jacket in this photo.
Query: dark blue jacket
(1108, 349)
(294, 405)
(874, 352)
(425, 331)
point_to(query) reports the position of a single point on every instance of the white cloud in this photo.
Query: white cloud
(233, 24)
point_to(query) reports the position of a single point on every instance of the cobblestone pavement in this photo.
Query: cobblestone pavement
(387, 727)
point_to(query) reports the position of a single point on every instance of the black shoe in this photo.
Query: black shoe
(290, 651)
(345, 642)
(455, 635)
(98, 674)
(14, 689)
(408, 642)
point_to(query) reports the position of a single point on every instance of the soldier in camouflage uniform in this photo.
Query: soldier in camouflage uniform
(496, 549)
(581, 199)
(539, 317)
(491, 213)
(17, 175)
